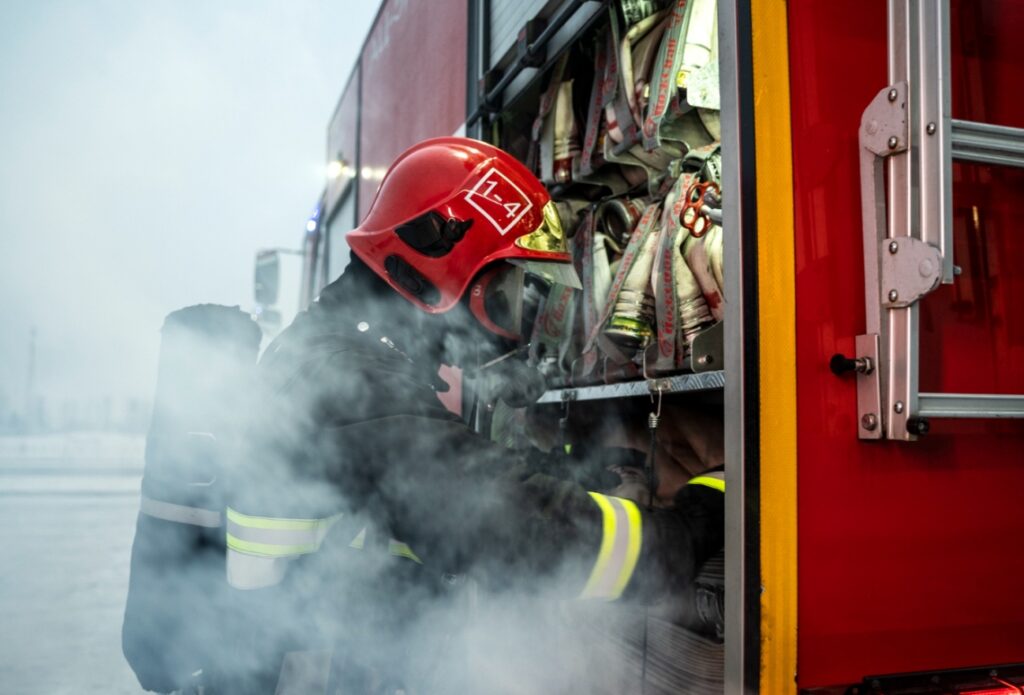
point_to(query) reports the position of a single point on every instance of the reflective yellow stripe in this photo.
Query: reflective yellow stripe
(359, 541)
(708, 481)
(776, 512)
(621, 540)
(269, 549)
(275, 537)
(268, 522)
(400, 549)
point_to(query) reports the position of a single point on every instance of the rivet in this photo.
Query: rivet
(893, 94)
(893, 295)
(869, 422)
(898, 407)
(894, 246)
(362, 326)
(893, 142)
(930, 129)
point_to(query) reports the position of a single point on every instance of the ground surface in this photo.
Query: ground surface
(67, 518)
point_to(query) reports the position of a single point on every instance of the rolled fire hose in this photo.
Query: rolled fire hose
(560, 140)
(631, 323)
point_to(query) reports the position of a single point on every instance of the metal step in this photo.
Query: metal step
(970, 405)
(987, 143)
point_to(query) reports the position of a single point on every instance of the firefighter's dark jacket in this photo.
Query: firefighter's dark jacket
(348, 422)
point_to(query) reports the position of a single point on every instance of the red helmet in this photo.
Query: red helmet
(447, 208)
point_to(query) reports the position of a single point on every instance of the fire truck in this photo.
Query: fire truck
(868, 352)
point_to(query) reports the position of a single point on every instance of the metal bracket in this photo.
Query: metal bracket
(870, 416)
(910, 269)
(883, 126)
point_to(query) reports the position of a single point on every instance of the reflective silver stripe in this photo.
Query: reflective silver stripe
(179, 513)
(620, 548)
(286, 537)
(304, 672)
(245, 571)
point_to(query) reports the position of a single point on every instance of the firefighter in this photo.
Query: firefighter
(355, 473)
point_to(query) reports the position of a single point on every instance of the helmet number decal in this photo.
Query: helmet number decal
(499, 200)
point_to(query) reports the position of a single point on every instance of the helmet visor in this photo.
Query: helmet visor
(549, 237)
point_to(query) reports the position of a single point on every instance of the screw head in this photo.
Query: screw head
(869, 421)
(893, 295)
(362, 326)
(930, 129)
(894, 246)
(892, 95)
(893, 142)
(898, 407)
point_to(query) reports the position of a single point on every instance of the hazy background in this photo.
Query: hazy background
(147, 149)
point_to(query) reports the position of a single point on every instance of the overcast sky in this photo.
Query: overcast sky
(147, 149)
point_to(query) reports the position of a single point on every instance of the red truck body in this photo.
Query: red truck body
(902, 556)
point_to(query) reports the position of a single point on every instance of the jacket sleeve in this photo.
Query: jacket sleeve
(465, 503)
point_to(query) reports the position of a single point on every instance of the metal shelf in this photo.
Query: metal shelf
(704, 381)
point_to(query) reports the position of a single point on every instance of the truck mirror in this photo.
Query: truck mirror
(267, 277)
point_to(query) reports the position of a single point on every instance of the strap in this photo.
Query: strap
(664, 87)
(621, 540)
(663, 284)
(712, 479)
(594, 110)
(553, 329)
(592, 266)
(180, 513)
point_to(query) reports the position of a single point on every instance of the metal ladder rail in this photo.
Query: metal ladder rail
(908, 234)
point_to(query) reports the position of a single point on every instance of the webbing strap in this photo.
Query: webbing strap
(179, 513)
(664, 83)
(620, 548)
(273, 537)
(714, 480)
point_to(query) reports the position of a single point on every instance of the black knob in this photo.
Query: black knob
(840, 364)
(918, 425)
